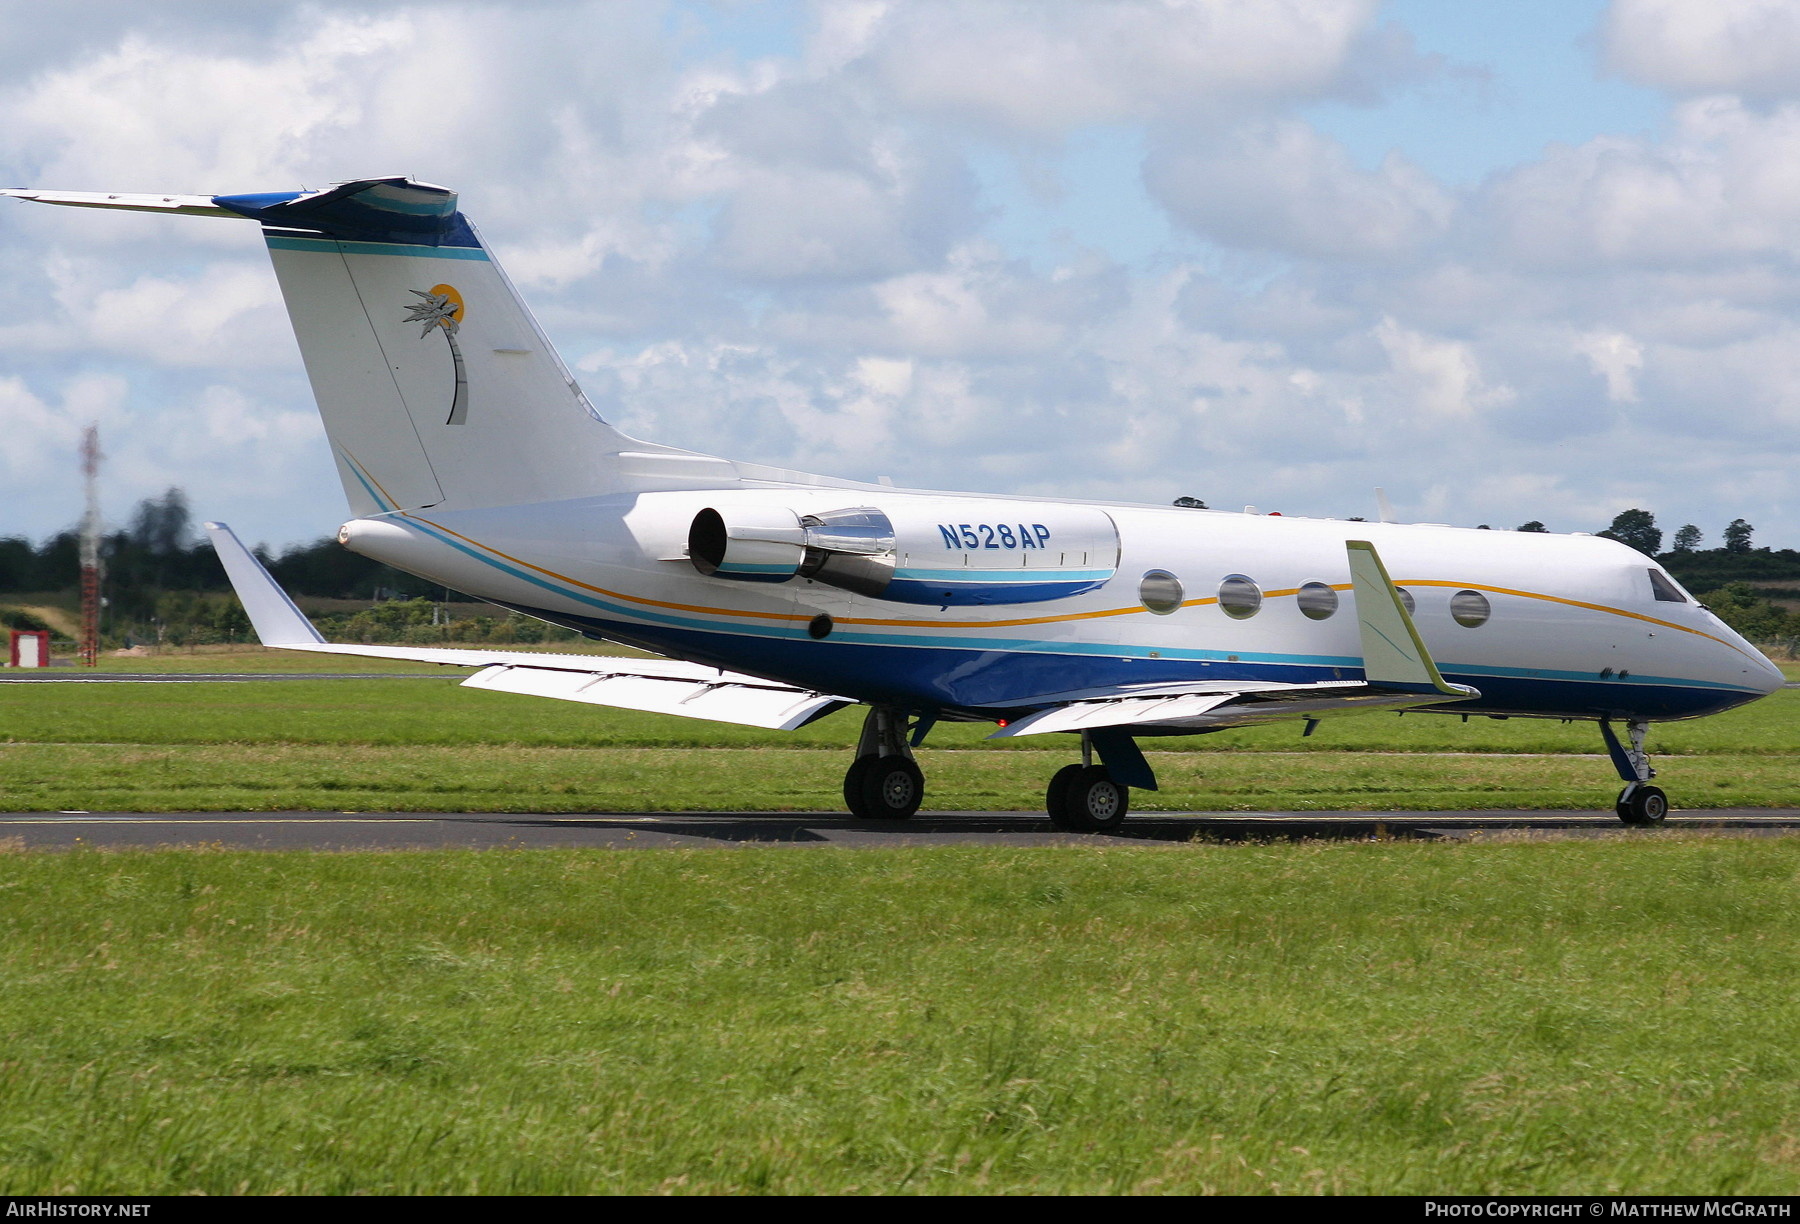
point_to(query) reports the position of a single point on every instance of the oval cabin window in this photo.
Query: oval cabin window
(1412, 605)
(1239, 597)
(1470, 609)
(1317, 601)
(1160, 591)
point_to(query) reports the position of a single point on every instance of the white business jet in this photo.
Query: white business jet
(472, 459)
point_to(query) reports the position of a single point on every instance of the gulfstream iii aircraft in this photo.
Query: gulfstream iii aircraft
(472, 459)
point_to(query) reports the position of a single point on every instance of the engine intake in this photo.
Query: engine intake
(759, 544)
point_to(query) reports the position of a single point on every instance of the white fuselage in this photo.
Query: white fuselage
(1572, 626)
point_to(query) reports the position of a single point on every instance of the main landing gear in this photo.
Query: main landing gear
(1639, 803)
(1084, 798)
(884, 782)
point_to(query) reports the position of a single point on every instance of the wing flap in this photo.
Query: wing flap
(1214, 710)
(714, 696)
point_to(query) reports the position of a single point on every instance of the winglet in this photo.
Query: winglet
(278, 622)
(1394, 656)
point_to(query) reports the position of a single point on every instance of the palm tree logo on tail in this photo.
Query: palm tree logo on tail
(442, 307)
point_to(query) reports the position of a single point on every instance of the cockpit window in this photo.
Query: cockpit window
(1666, 591)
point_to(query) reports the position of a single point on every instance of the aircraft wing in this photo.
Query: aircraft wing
(1399, 674)
(662, 686)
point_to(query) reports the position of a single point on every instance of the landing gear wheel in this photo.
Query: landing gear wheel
(853, 785)
(886, 788)
(1056, 797)
(1085, 799)
(1642, 804)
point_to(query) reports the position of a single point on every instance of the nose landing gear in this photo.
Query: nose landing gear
(1639, 803)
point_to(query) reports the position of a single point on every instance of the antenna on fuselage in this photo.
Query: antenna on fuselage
(1384, 507)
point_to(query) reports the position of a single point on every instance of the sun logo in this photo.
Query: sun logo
(441, 308)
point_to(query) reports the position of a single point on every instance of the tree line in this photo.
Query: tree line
(162, 582)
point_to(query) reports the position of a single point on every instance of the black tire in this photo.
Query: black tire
(1093, 803)
(1056, 797)
(892, 788)
(853, 786)
(1641, 804)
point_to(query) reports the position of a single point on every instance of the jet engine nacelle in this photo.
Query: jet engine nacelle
(940, 551)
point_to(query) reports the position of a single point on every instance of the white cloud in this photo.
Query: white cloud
(1042, 68)
(1281, 185)
(1706, 46)
(1617, 358)
(1442, 378)
(225, 315)
(1724, 183)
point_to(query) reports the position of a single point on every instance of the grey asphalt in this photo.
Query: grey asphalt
(613, 830)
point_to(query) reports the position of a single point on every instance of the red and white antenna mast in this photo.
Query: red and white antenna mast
(90, 549)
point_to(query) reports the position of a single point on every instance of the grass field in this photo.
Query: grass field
(1484, 1017)
(423, 745)
(1353, 1018)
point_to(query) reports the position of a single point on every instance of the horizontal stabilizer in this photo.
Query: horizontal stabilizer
(185, 205)
(663, 686)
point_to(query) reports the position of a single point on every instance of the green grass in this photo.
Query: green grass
(1567, 1018)
(420, 712)
(422, 744)
(212, 659)
(278, 777)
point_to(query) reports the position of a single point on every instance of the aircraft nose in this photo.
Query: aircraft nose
(1747, 667)
(1770, 677)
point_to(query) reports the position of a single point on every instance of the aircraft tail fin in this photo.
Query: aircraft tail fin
(436, 385)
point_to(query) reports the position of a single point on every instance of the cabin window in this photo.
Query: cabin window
(1470, 609)
(1406, 598)
(1239, 597)
(1317, 601)
(1666, 591)
(1160, 591)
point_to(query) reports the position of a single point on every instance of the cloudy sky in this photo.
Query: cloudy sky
(1523, 261)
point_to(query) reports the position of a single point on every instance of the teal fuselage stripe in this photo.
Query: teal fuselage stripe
(374, 494)
(286, 242)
